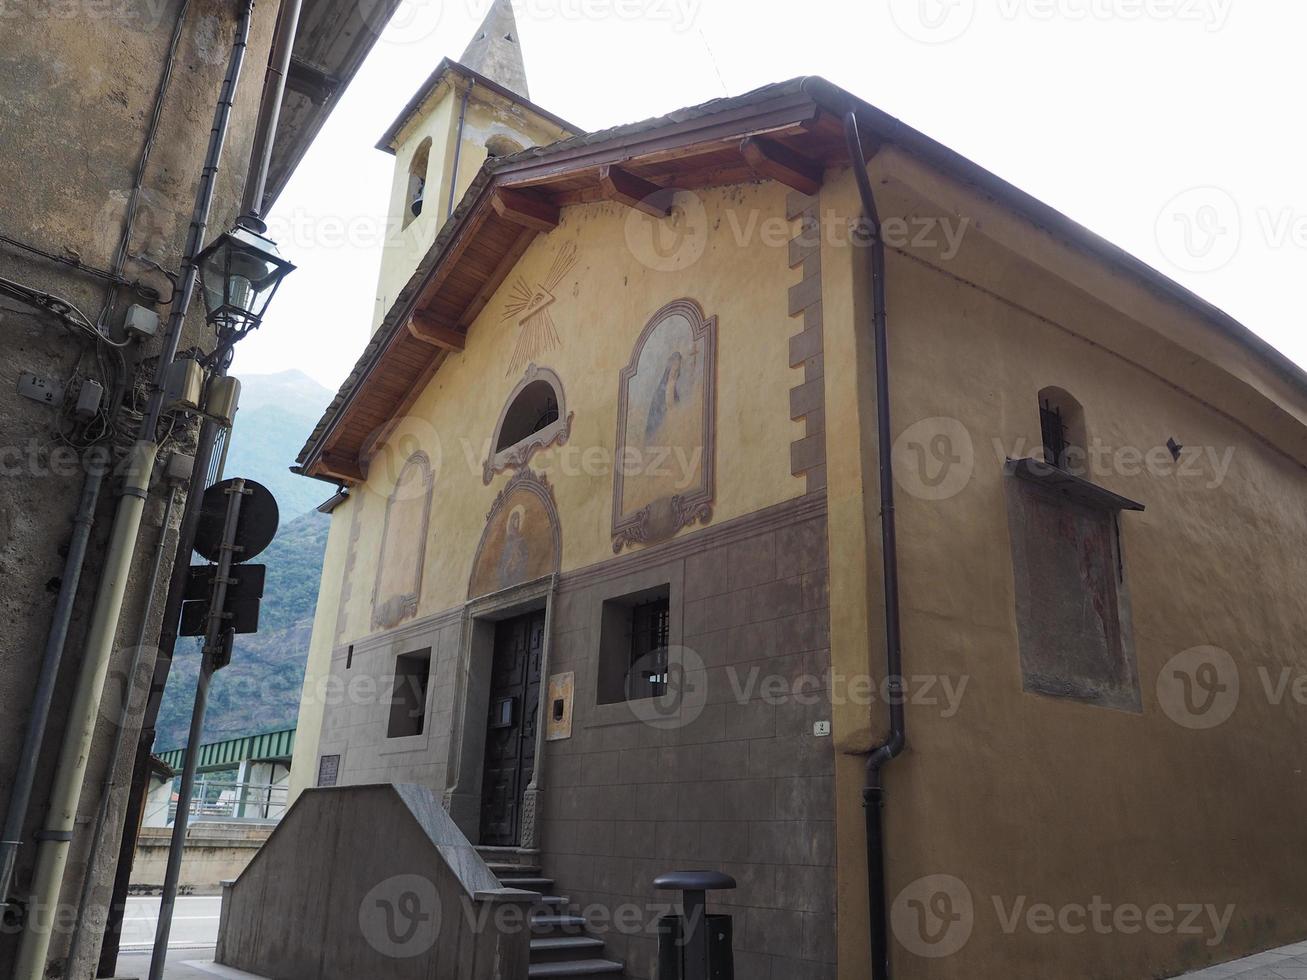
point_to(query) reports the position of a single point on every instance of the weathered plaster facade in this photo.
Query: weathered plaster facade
(78, 91)
(78, 88)
(1013, 794)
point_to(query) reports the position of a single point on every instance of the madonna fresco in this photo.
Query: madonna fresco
(521, 542)
(664, 471)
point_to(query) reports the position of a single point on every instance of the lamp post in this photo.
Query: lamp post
(239, 274)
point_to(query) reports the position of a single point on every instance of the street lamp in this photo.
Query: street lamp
(239, 274)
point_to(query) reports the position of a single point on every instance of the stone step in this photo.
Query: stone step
(542, 885)
(554, 949)
(499, 869)
(555, 924)
(571, 969)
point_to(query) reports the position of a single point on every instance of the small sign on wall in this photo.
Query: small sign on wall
(558, 706)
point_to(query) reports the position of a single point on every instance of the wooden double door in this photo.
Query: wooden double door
(511, 727)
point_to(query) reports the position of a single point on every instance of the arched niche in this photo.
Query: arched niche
(522, 540)
(403, 544)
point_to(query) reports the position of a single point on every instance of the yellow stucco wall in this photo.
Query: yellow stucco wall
(1022, 798)
(313, 697)
(602, 304)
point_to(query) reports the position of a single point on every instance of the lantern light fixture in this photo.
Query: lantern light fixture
(239, 274)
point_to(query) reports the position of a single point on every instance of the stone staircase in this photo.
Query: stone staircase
(561, 945)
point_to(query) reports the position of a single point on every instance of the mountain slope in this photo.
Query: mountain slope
(260, 689)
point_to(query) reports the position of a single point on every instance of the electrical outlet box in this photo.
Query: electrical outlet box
(178, 467)
(224, 395)
(184, 385)
(88, 400)
(140, 322)
(44, 390)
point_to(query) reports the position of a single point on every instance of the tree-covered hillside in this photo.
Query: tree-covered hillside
(260, 690)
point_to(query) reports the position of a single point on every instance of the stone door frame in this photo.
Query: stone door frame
(467, 742)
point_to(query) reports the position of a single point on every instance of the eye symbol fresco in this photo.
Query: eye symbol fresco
(529, 306)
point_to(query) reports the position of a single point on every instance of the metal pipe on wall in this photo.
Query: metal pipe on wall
(52, 849)
(65, 794)
(896, 741)
(256, 182)
(21, 793)
(274, 92)
(120, 733)
(57, 635)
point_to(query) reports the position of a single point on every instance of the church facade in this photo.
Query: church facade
(606, 569)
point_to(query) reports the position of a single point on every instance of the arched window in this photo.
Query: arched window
(417, 181)
(534, 417)
(1062, 430)
(535, 407)
(502, 146)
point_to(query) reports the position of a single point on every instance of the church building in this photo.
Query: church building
(766, 488)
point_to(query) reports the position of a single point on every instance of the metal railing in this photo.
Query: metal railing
(224, 800)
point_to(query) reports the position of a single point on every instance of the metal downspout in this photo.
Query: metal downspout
(21, 794)
(120, 732)
(274, 91)
(65, 793)
(873, 794)
(458, 148)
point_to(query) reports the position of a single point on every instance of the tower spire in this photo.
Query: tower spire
(495, 51)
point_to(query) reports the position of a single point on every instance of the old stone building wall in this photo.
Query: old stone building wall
(79, 84)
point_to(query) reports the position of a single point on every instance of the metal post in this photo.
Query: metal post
(213, 635)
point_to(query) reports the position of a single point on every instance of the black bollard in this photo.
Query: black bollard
(684, 947)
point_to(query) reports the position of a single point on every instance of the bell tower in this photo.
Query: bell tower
(466, 112)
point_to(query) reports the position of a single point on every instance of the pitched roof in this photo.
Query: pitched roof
(692, 147)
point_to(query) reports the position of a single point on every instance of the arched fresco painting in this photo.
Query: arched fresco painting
(665, 423)
(403, 545)
(522, 540)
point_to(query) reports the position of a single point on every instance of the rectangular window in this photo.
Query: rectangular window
(408, 702)
(634, 635)
(328, 770)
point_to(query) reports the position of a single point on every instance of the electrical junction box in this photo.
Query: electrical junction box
(88, 400)
(140, 322)
(43, 390)
(178, 467)
(184, 385)
(224, 395)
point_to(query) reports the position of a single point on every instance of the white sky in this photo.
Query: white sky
(1173, 128)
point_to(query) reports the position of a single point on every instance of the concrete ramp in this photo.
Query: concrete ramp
(373, 881)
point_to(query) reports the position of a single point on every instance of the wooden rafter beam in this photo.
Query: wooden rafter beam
(525, 208)
(427, 329)
(342, 466)
(635, 192)
(777, 161)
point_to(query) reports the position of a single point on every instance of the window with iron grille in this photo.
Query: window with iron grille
(635, 631)
(650, 628)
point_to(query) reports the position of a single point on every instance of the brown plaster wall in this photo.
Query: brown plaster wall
(1017, 798)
